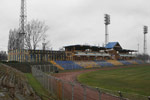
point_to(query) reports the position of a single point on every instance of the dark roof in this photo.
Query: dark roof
(111, 45)
(127, 50)
(86, 47)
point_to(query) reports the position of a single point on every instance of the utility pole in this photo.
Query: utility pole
(138, 48)
(107, 22)
(44, 51)
(145, 45)
(23, 19)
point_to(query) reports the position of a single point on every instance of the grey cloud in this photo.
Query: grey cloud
(81, 21)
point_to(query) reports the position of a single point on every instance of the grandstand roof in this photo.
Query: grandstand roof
(126, 50)
(111, 45)
(116, 46)
(79, 47)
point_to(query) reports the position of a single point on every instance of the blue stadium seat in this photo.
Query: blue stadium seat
(139, 61)
(68, 65)
(124, 62)
(103, 63)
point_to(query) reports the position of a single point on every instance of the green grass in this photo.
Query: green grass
(130, 80)
(38, 88)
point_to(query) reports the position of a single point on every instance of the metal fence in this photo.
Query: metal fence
(65, 90)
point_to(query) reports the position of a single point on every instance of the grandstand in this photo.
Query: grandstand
(79, 56)
(35, 55)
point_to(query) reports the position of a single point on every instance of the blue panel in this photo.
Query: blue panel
(68, 65)
(110, 45)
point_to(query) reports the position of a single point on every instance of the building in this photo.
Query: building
(35, 55)
(86, 52)
(118, 53)
(112, 50)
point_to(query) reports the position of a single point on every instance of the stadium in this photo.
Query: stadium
(76, 72)
(58, 71)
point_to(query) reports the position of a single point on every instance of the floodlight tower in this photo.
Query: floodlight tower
(145, 45)
(107, 22)
(138, 48)
(23, 19)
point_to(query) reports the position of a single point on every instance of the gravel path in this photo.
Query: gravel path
(91, 94)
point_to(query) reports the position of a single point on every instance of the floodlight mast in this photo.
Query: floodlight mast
(145, 32)
(107, 22)
(145, 29)
(23, 19)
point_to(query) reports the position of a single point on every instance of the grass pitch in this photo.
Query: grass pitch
(130, 80)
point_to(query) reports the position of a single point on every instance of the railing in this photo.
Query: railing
(127, 55)
(66, 90)
(91, 54)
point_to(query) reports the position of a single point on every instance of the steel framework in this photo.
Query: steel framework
(23, 20)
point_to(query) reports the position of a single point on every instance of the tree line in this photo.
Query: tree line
(3, 55)
(144, 57)
(35, 33)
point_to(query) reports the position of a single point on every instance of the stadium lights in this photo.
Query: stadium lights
(107, 22)
(145, 29)
(107, 19)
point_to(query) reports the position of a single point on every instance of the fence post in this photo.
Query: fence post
(40, 68)
(148, 97)
(44, 68)
(99, 92)
(51, 85)
(62, 90)
(48, 82)
(49, 68)
(84, 91)
(40, 76)
(53, 69)
(72, 84)
(43, 79)
(120, 94)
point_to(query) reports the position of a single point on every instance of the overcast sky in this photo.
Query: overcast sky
(81, 21)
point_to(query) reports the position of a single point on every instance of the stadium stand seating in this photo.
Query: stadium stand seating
(139, 61)
(68, 65)
(104, 63)
(15, 82)
(132, 61)
(124, 62)
(114, 62)
(58, 66)
(87, 64)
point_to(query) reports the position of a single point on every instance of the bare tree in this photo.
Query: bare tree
(35, 32)
(13, 42)
(3, 55)
(46, 44)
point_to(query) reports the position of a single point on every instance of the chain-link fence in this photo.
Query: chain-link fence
(65, 90)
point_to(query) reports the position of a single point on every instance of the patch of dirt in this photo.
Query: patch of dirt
(91, 94)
